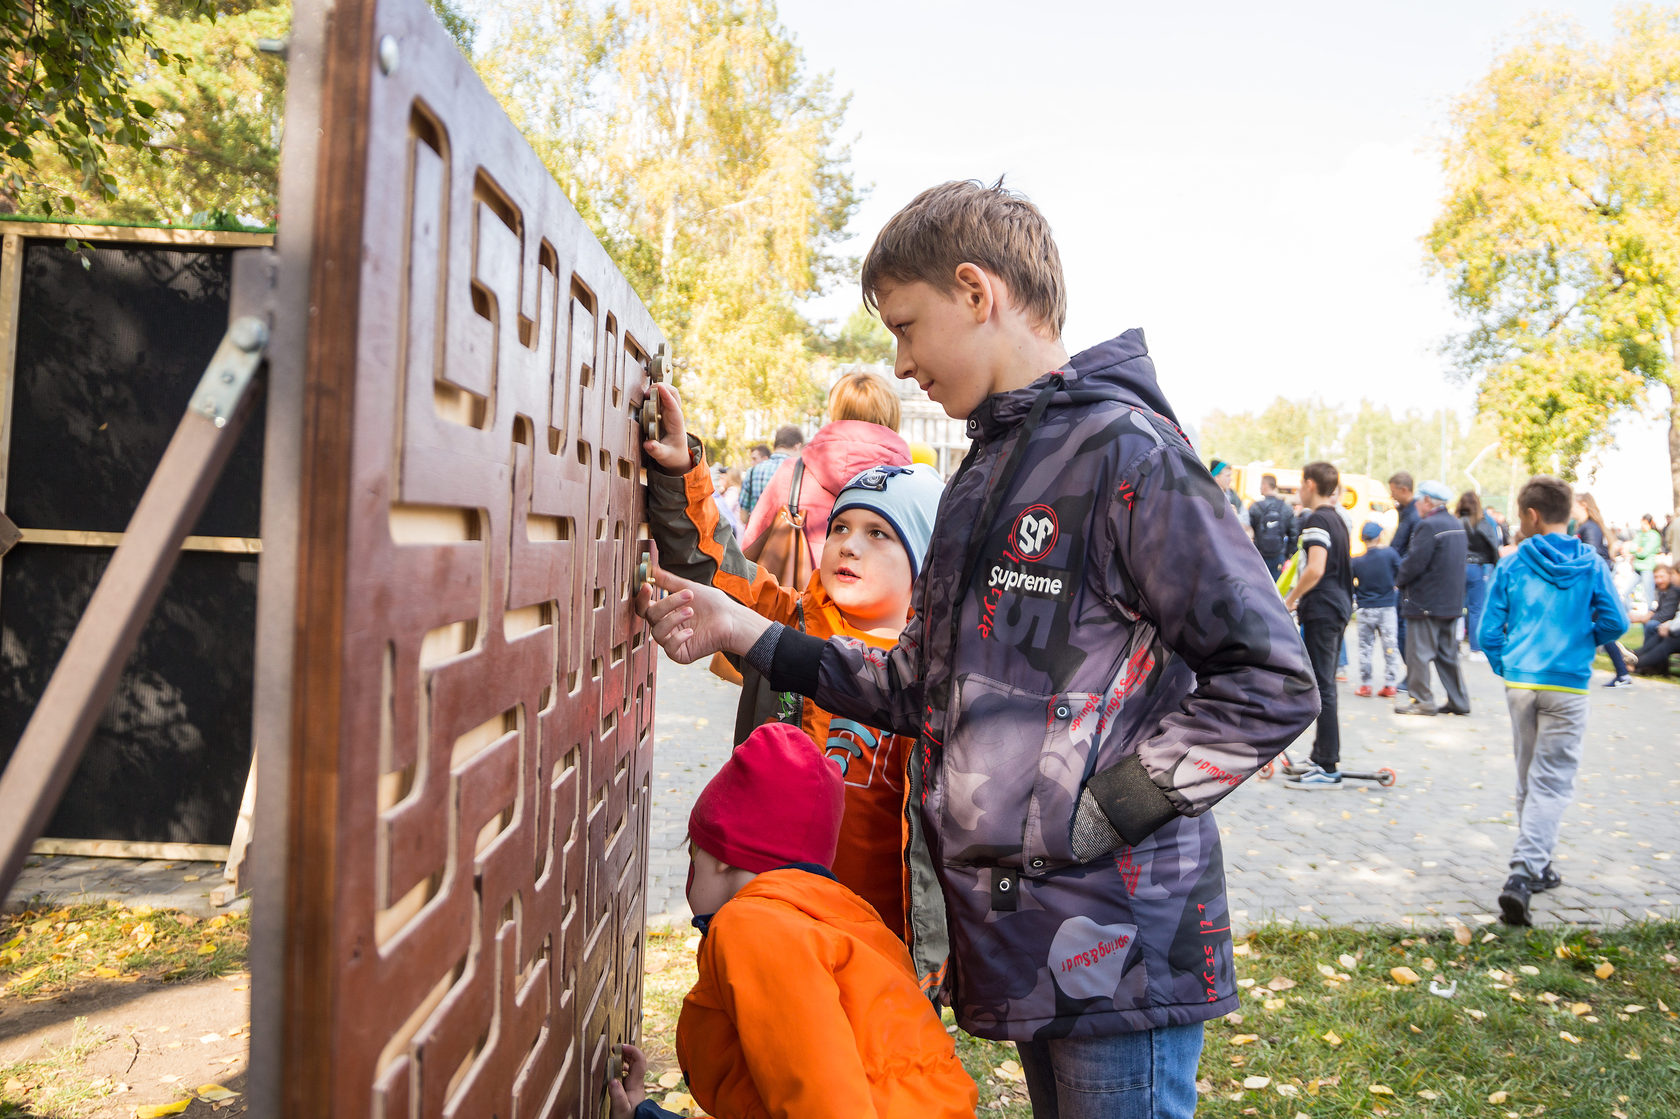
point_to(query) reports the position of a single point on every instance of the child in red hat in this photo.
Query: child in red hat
(806, 1002)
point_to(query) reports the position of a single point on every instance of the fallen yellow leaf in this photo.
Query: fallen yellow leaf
(1244, 1039)
(1569, 1037)
(206, 949)
(217, 923)
(1428, 1094)
(1256, 1082)
(106, 972)
(1632, 1055)
(1347, 961)
(215, 1093)
(1327, 971)
(156, 1111)
(1274, 1004)
(1403, 975)
(1380, 1090)
(670, 1079)
(1332, 1037)
(1580, 1008)
(1529, 969)
(677, 1101)
(1009, 1070)
(1462, 934)
(1605, 970)
(1499, 1097)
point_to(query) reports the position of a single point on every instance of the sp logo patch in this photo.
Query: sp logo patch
(1035, 532)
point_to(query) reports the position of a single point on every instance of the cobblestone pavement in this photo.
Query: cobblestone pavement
(1431, 850)
(62, 879)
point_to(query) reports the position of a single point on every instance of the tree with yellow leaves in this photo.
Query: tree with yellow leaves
(1560, 235)
(708, 160)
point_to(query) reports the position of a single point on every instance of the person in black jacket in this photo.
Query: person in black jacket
(1482, 538)
(1405, 507)
(1431, 581)
(1272, 524)
(1662, 626)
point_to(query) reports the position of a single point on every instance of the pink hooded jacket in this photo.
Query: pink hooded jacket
(836, 454)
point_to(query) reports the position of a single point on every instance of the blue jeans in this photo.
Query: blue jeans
(1145, 1075)
(1475, 598)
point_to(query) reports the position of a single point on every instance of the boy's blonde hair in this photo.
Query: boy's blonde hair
(970, 223)
(864, 396)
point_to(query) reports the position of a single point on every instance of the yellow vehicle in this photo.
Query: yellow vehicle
(1362, 498)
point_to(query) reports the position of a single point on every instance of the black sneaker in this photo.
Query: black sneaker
(1549, 880)
(1513, 899)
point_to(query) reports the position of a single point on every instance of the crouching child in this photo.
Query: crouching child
(806, 1004)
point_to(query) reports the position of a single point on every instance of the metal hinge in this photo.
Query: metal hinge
(231, 370)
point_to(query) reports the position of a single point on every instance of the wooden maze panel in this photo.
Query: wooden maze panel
(489, 808)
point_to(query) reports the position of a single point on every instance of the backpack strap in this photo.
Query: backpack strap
(794, 513)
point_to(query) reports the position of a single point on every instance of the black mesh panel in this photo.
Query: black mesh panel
(107, 360)
(169, 758)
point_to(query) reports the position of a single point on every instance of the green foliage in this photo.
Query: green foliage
(70, 70)
(460, 28)
(862, 339)
(1560, 235)
(209, 155)
(692, 139)
(1365, 440)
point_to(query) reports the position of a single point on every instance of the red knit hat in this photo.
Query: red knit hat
(776, 801)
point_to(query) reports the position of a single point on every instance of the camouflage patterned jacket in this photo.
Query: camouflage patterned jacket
(1117, 632)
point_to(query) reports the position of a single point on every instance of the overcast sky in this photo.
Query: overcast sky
(1248, 183)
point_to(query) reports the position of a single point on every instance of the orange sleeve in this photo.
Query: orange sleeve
(779, 990)
(696, 543)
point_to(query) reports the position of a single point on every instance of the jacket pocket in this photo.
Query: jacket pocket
(1011, 773)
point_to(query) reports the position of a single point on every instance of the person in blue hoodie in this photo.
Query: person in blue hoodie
(1551, 606)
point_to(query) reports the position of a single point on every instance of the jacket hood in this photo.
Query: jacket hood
(1120, 368)
(842, 450)
(1562, 561)
(824, 900)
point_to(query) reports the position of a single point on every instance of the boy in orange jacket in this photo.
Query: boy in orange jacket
(806, 1003)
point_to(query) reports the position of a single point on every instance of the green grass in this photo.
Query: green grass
(51, 1083)
(1518, 992)
(47, 950)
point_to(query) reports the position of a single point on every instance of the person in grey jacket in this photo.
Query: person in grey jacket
(1096, 657)
(1431, 582)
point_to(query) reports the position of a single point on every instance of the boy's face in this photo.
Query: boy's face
(865, 569)
(941, 343)
(710, 882)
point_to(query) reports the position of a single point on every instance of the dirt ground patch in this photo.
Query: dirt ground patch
(104, 1050)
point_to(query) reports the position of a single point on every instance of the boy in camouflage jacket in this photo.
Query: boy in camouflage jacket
(1097, 656)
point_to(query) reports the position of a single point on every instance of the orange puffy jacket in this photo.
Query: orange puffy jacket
(807, 1006)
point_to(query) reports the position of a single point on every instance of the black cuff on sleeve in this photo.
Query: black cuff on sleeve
(794, 666)
(1134, 804)
(647, 1109)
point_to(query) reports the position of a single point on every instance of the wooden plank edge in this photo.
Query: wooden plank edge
(132, 849)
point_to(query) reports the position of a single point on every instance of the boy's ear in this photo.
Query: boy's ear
(978, 290)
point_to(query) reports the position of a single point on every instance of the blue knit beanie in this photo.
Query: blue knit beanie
(906, 497)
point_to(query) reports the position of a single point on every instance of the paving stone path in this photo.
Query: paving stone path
(1430, 850)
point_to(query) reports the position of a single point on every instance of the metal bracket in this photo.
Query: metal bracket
(231, 370)
(10, 534)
